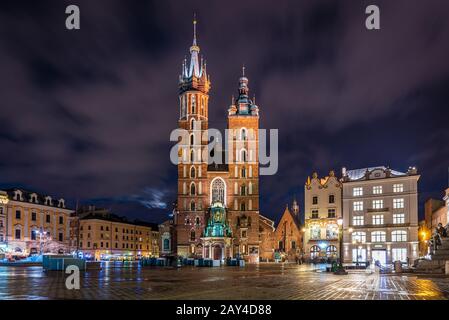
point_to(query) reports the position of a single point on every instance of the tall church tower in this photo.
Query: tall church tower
(194, 85)
(243, 158)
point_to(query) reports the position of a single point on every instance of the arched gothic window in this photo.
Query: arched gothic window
(243, 134)
(192, 172)
(243, 156)
(243, 206)
(192, 206)
(192, 138)
(192, 189)
(192, 235)
(243, 190)
(192, 156)
(218, 191)
(193, 103)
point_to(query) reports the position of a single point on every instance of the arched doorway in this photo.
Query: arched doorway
(217, 252)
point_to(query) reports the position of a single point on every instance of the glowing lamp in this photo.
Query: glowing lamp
(340, 222)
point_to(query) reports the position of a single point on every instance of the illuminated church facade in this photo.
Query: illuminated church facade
(217, 209)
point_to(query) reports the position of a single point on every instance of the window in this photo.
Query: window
(378, 236)
(192, 156)
(243, 172)
(378, 219)
(192, 235)
(244, 234)
(243, 155)
(398, 188)
(193, 103)
(399, 254)
(357, 220)
(61, 220)
(88, 244)
(314, 214)
(378, 204)
(47, 218)
(18, 214)
(377, 189)
(192, 139)
(242, 206)
(331, 198)
(398, 203)
(192, 189)
(398, 218)
(315, 232)
(166, 244)
(331, 213)
(332, 231)
(218, 190)
(359, 237)
(357, 192)
(243, 135)
(33, 234)
(243, 190)
(17, 234)
(192, 206)
(33, 216)
(331, 251)
(315, 200)
(314, 252)
(399, 236)
(293, 244)
(197, 221)
(61, 237)
(357, 206)
(192, 172)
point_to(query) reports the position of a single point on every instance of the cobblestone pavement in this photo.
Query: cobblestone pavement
(264, 281)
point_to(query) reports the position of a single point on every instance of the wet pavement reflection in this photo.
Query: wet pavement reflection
(264, 281)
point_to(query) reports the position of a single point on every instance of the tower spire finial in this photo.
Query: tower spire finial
(243, 70)
(194, 28)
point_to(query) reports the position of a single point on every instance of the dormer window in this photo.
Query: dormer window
(48, 201)
(33, 198)
(61, 203)
(18, 195)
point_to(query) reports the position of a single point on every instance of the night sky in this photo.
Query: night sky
(87, 114)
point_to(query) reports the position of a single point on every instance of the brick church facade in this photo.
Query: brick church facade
(217, 209)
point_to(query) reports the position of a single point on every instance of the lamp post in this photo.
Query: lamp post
(340, 269)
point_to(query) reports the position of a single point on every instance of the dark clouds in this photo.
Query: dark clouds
(87, 114)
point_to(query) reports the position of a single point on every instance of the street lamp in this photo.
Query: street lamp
(340, 269)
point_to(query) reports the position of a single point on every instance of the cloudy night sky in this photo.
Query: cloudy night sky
(87, 114)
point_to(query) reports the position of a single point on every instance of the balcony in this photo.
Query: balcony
(378, 209)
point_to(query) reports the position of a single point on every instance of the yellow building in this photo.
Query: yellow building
(32, 223)
(323, 209)
(105, 236)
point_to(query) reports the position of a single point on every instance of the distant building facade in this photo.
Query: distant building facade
(31, 223)
(380, 215)
(105, 236)
(288, 235)
(437, 211)
(323, 208)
